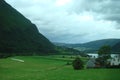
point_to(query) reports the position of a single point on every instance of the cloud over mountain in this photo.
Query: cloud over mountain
(72, 21)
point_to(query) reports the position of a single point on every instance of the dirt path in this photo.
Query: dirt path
(17, 59)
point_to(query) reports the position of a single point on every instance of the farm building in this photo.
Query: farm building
(90, 63)
(115, 61)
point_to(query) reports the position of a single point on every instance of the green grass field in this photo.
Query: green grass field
(50, 68)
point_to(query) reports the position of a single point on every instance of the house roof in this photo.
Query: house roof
(91, 63)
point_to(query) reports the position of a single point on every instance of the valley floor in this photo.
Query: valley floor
(50, 68)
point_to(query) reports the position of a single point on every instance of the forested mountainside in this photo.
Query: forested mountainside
(19, 35)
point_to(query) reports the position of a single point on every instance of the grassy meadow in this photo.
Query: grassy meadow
(50, 68)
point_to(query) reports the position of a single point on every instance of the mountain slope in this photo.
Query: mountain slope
(116, 47)
(18, 34)
(98, 43)
(91, 46)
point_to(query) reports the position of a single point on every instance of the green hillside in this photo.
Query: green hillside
(91, 46)
(19, 35)
(98, 43)
(116, 47)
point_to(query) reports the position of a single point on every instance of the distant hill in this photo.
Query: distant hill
(69, 51)
(116, 47)
(64, 44)
(18, 35)
(91, 46)
(98, 43)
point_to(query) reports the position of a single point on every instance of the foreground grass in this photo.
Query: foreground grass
(50, 68)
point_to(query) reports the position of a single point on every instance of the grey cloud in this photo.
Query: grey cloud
(68, 38)
(76, 22)
(108, 9)
(115, 17)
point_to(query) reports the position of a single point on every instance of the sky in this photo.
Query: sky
(72, 21)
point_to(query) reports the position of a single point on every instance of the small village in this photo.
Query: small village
(112, 62)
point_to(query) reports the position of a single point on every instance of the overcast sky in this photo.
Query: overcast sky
(72, 21)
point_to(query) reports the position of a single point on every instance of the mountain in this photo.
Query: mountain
(116, 47)
(98, 43)
(64, 44)
(18, 35)
(91, 46)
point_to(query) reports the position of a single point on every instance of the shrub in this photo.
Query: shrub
(63, 56)
(68, 63)
(77, 64)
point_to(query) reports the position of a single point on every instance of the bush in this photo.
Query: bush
(68, 63)
(63, 56)
(77, 64)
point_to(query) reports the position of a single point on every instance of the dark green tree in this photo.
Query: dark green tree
(104, 54)
(104, 50)
(77, 64)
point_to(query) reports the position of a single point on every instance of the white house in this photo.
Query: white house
(115, 61)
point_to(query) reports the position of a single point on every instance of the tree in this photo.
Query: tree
(104, 50)
(104, 54)
(77, 64)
